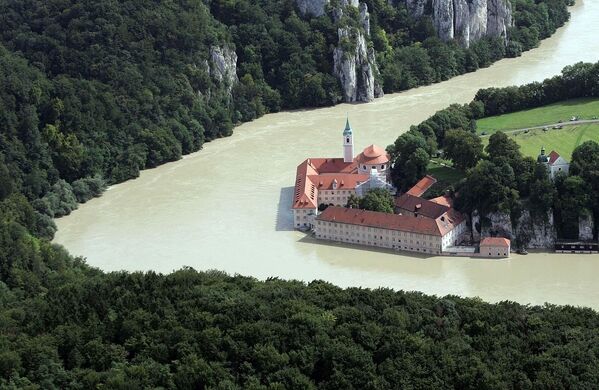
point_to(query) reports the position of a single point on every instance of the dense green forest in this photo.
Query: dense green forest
(65, 325)
(93, 92)
(499, 178)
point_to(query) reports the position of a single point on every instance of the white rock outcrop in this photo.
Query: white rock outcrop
(466, 20)
(354, 64)
(537, 234)
(585, 228)
(223, 66)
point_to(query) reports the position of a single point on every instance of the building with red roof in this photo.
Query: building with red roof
(495, 247)
(415, 233)
(555, 163)
(418, 224)
(331, 181)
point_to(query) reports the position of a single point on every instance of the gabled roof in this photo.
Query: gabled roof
(422, 186)
(495, 241)
(345, 181)
(305, 195)
(553, 156)
(319, 173)
(376, 219)
(405, 223)
(415, 204)
(443, 200)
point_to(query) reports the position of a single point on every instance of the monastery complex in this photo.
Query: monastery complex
(324, 185)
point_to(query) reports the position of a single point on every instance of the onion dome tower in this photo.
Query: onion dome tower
(543, 158)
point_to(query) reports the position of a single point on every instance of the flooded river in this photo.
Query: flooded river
(227, 206)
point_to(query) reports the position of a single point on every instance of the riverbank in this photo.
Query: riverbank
(227, 207)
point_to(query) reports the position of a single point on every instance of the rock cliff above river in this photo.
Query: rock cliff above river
(466, 20)
(355, 66)
(223, 66)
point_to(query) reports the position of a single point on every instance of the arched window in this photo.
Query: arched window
(383, 166)
(347, 140)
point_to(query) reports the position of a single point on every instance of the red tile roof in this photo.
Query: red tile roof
(305, 195)
(345, 181)
(415, 204)
(495, 241)
(319, 173)
(422, 186)
(405, 223)
(373, 155)
(553, 156)
(332, 165)
(443, 200)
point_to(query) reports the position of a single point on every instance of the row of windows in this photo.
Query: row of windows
(427, 241)
(374, 243)
(353, 228)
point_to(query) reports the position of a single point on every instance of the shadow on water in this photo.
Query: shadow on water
(284, 222)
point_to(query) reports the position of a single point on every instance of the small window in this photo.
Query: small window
(382, 167)
(363, 166)
(347, 140)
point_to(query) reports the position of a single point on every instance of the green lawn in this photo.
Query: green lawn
(446, 176)
(562, 141)
(583, 108)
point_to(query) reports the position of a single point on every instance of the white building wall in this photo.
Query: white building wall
(452, 238)
(303, 218)
(560, 165)
(336, 197)
(377, 237)
(494, 251)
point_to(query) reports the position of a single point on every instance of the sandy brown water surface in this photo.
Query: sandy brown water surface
(227, 206)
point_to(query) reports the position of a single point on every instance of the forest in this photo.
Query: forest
(93, 92)
(499, 178)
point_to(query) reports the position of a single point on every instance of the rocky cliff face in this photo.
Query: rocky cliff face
(223, 66)
(466, 20)
(585, 228)
(531, 234)
(355, 66)
(354, 63)
(537, 234)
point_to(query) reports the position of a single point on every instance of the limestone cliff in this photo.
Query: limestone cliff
(530, 234)
(223, 66)
(466, 20)
(537, 234)
(585, 228)
(354, 64)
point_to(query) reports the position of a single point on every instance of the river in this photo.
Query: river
(227, 206)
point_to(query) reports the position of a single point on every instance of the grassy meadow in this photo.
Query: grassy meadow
(586, 108)
(562, 141)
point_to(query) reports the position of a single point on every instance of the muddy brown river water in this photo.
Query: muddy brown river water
(227, 206)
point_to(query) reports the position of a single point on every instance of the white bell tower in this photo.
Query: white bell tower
(348, 143)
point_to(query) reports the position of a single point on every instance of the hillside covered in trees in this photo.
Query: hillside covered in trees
(93, 92)
(65, 325)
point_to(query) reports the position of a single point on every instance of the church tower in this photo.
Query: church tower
(348, 143)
